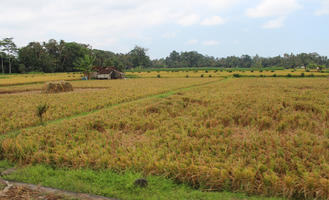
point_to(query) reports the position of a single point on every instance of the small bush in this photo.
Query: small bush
(186, 76)
(252, 71)
(206, 71)
(41, 110)
(312, 75)
(201, 75)
(307, 70)
(302, 75)
(289, 75)
(158, 76)
(210, 75)
(274, 75)
(236, 75)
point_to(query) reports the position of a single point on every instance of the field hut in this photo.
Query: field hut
(106, 73)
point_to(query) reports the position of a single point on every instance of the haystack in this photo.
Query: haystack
(56, 87)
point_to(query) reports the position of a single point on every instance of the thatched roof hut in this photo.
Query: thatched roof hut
(107, 73)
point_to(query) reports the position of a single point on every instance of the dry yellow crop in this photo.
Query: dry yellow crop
(225, 73)
(36, 78)
(260, 136)
(18, 109)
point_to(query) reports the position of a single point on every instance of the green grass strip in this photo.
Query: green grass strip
(118, 185)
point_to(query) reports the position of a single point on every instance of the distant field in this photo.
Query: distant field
(17, 79)
(226, 73)
(263, 136)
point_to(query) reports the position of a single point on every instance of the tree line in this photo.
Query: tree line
(61, 56)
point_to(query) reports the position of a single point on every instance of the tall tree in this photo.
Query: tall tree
(85, 64)
(2, 54)
(11, 50)
(139, 58)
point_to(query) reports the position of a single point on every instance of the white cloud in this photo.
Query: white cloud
(273, 8)
(278, 10)
(189, 20)
(324, 8)
(101, 21)
(169, 35)
(211, 43)
(215, 20)
(275, 23)
(192, 42)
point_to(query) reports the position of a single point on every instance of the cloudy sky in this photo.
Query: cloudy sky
(213, 27)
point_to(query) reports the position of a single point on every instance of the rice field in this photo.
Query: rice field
(20, 102)
(228, 73)
(264, 136)
(18, 79)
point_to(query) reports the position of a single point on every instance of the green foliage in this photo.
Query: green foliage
(41, 110)
(84, 64)
(138, 57)
(236, 75)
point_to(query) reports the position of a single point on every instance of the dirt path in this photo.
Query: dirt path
(22, 191)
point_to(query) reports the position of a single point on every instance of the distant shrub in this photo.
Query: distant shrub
(261, 75)
(41, 110)
(274, 75)
(289, 75)
(252, 71)
(186, 76)
(216, 71)
(210, 75)
(230, 71)
(307, 70)
(312, 75)
(158, 76)
(302, 75)
(148, 71)
(206, 71)
(260, 70)
(272, 71)
(201, 75)
(236, 75)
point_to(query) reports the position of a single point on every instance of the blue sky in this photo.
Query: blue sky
(214, 27)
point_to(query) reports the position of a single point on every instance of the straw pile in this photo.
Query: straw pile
(56, 87)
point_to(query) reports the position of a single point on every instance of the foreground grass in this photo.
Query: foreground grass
(111, 184)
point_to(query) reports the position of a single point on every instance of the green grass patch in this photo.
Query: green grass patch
(111, 184)
(4, 165)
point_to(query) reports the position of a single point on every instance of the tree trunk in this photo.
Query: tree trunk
(3, 69)
(9, 66)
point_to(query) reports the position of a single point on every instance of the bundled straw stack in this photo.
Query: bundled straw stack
(56, 87)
